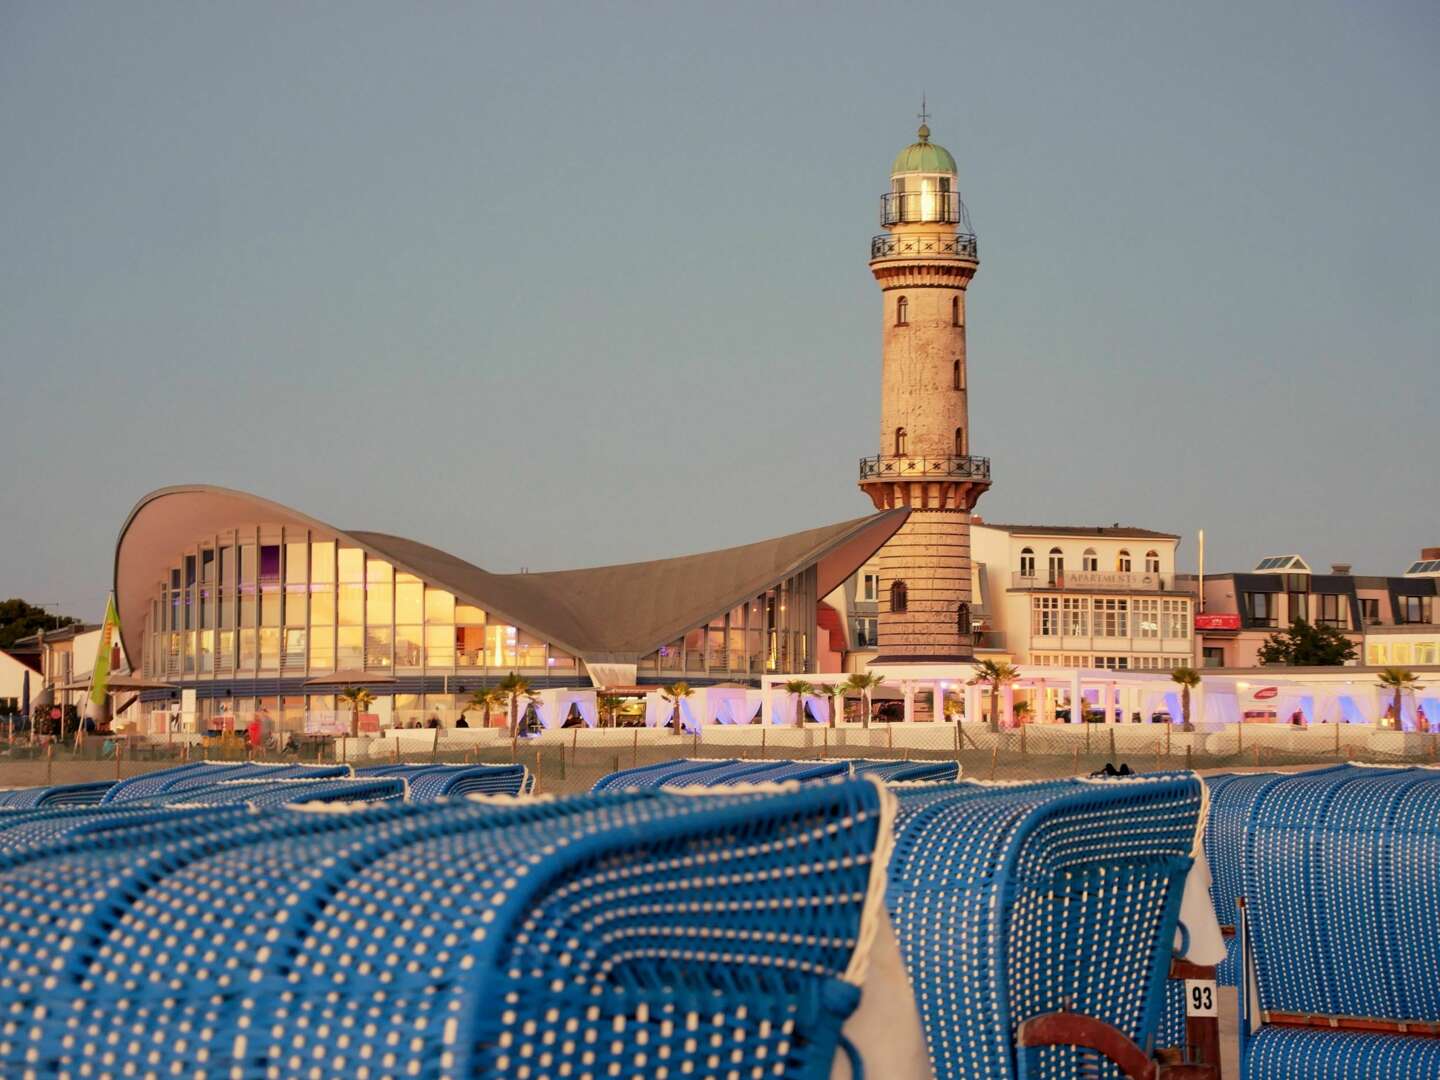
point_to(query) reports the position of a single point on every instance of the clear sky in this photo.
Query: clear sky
(563, 284)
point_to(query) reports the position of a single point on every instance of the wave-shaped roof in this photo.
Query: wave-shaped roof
(604, 613)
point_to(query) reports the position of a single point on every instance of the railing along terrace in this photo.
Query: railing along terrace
(1085, 580)
(886, 246)
(915, 207)
(900, 466)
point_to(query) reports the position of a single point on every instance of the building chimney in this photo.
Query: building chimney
(1430, 553)
(1340, 568)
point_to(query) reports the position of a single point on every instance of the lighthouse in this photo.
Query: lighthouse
(923, 262)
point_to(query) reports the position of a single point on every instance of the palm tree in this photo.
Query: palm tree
(485, 700)
(837, 705)
(995, 674)
(1021, 711)
(675, 693)
(1188, 678)
(797, 689)
(514, 687)
(862, 682)
(610, 705)
(359, 699)
(1398, 679)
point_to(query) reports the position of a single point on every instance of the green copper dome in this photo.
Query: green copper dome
(924, 157)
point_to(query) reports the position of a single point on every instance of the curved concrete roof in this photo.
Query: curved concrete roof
(615, 613)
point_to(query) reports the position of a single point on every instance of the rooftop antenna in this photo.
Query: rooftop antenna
(924, 111)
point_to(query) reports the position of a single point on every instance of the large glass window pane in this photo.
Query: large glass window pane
(187, 645)
(322, 649)
(439, 647)
(295, 605)
(379, 604)
(349, 648)
(470, 646)
(269, 648)
(227, 566)
(560, 661)
(466, 615)
(189, 570)
(207, 651)
(352, 565)
(322, 606)
(439, 606)
(322, 561)
(408, 641)
(269, 562)
(379, 571)
(225, 651)
(529, 651)
(377, 648)
(207, 566)
(409, 601)
(294, 659)
(716, 646)
(695, 650)
(500, 645)
(249, 651)
(352, 605)
(297, 563)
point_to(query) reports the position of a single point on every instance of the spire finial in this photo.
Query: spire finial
(924, 120)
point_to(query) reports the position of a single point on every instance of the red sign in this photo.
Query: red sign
(1217, 622)
(1266, 693)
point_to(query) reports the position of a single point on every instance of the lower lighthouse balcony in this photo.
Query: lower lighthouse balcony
(903, 466)
(924, 483)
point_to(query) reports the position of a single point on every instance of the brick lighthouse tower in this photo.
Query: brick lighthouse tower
(923, 261)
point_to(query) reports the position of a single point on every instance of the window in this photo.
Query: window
(1413, 609)
(1113, 663)
(1044, 616)
(1152, 562)
(902, 312)
(1027, 563)
(954, 311)
(959, 442)
(1262, 609)
(1111, 618)
(1175, 620)
(1299, 609)
(1425, 652)
(962, 619)
(1147, 619)
(902, 442)
(1213, 656)
(870, 587)
(1370, 610)
(958, 376)
(1330, 611)
(867, 633)
(1122, 561)
(1400, 653)
(1089, 561)
(1057, 566)
(1376, 655)
(897, 596)
(1077, 616)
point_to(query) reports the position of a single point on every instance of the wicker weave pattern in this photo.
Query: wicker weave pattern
(648, 932)
(427, 783)
(1080, 881)
(727, 772)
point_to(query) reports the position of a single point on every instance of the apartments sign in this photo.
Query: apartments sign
(1106, 579)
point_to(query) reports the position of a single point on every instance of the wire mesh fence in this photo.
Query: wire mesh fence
(572, 759)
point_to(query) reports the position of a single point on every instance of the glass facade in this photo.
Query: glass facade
(272, 601)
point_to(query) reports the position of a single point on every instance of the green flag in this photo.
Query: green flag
(100, 673)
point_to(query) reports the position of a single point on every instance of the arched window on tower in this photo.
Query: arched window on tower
(902, 312)
(957, 376)
(1027, 563)
(954, 311)
(959, 442)
(1122, 561)
(897, 596)
(1152, 562)
(1089, 561)
(1057, 566)
(902, 442)
(962, 619)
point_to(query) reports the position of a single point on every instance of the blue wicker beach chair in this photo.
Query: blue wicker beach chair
(427, 783)
(903, 771)
(656, 776)
(1341, 883)
(280, 792)
(86, 794)
(1037, 920)
(202, 774)
(640, 934)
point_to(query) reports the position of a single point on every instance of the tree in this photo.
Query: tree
(610, 705)
(359, 699)
(1188, 678)
(1399, 680)
(995, 674)
(513, 687)
(486, 699)
(837, 703)
(19, 619)
(1021, 711)
(862, 683)
(675, 693)
(797, 689)
(1305, 645)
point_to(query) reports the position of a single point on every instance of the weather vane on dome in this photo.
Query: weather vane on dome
(924, 112)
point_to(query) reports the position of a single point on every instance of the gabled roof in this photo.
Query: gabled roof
(1123, 532)
(615, 613)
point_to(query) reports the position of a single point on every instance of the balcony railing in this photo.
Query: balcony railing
(924, 207)
(886, 246)
(1090, 580)
(903, 467)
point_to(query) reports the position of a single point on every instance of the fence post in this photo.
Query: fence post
(1077, 761)
(889, 736)
(49, 763)
(1157, 755)
(119, 752)
(1337, 740)
(695, 744)
(763, 754)
(825, 742)
(1111, 729)
(435, 746)
(1187, 759)
(958, 740)
(1240, 737)
(1087, 735)
(635, 748)
(1167, 739)
(397, 750)
(994, 759)
(574, 743)
(1022, 739)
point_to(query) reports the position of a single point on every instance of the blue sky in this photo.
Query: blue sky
(558, 284)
